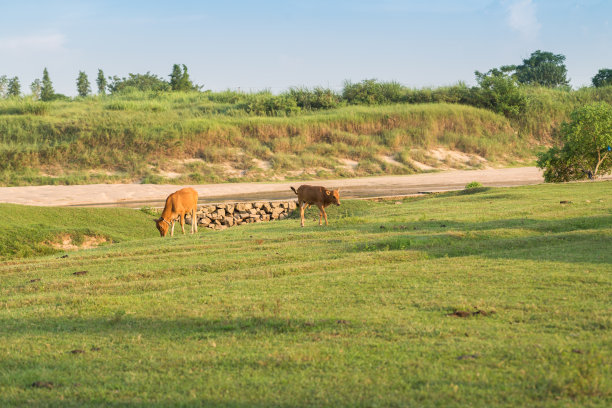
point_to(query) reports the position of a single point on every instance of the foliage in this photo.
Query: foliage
(264, 103)
(500, 93)
(587, 139)
(372, 92)
(46, 92)
(138, 82)
(313, 99)
(3, 86)
(473, 184)
(179, 80)
(101, 82)
(14, 87)
(602, 78)
(83, 85)
(36, 88)
(560, 165)
(543, 68)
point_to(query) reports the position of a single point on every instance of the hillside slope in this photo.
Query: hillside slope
(181, 142)
(196, 137)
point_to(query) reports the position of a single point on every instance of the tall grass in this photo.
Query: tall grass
(131, 134)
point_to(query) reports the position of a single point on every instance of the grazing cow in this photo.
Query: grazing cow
(179, 203)
(320, 196)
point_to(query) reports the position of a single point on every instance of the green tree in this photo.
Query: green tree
(499, 92)
(603, 78)
(36, 88)
(587, 145)
(139, 82)
(14, 87)
(542, 68)
(101, 82)
(83, 85)
(46, 93)
(3, 86)
(179, 80)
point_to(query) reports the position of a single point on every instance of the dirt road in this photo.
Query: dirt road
(137, 195)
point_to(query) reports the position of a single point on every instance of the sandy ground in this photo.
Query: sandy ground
(137, 195)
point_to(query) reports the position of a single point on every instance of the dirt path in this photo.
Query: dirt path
(137, 195)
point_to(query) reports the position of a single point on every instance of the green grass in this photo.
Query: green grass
(359, 313)
(142, 137)
(145, 136)
(28, 231)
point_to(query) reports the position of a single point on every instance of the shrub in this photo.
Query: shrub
(317, 98)
(372, 92)
(265, 103)
(473, 184)
(587, 145)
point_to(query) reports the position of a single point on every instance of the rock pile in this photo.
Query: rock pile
(222, 216)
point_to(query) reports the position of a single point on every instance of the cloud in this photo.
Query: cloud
(522, 18)
(50, 42)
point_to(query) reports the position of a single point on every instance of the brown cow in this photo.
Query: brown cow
(178, 204)
(320, 196)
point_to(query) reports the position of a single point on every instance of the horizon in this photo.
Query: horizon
(278, 45)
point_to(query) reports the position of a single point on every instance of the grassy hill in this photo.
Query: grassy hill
(211, 137)
(490, 297)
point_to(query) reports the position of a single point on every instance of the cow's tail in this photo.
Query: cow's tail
(294, 190)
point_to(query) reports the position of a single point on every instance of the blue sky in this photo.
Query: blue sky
(262, 44)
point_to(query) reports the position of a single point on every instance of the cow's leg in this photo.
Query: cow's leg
(182, 219)
(172, 229)
(302, 205)
(322, 213)
(194, 221)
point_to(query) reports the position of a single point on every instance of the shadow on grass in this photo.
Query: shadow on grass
(581, 239)
(194, 327)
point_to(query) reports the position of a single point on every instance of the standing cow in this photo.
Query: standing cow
(317, 195)
(179, 203)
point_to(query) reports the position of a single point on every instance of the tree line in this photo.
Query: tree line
(498, 88)
(42, 88)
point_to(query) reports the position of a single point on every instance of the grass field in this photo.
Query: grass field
(489, 297)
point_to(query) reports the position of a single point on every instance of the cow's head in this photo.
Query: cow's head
(162, 226)
(333, 196)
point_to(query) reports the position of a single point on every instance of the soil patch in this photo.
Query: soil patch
(66, 242)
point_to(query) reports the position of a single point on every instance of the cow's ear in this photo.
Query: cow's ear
(327, 192)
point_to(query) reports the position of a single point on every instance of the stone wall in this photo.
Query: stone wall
(222, 216)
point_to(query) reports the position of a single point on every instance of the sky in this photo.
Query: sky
(256, 45)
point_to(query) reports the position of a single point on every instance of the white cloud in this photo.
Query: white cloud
(522, 18)
(51, 42)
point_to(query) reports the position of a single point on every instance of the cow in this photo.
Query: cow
(317, 195)
(179, 203)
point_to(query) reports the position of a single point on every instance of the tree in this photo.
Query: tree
(179, 80)
(587, 145)
(139, 82)
(46, 92)
(101, 81)
(3, 86)
(542, 68)
(83, 86)
(36, 88)
(14, 87)
(499, 92)
(603, 78)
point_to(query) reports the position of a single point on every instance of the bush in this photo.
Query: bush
(372, 92)
(473, 184)
(265, 103)
(587, 141)
(317, 98)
